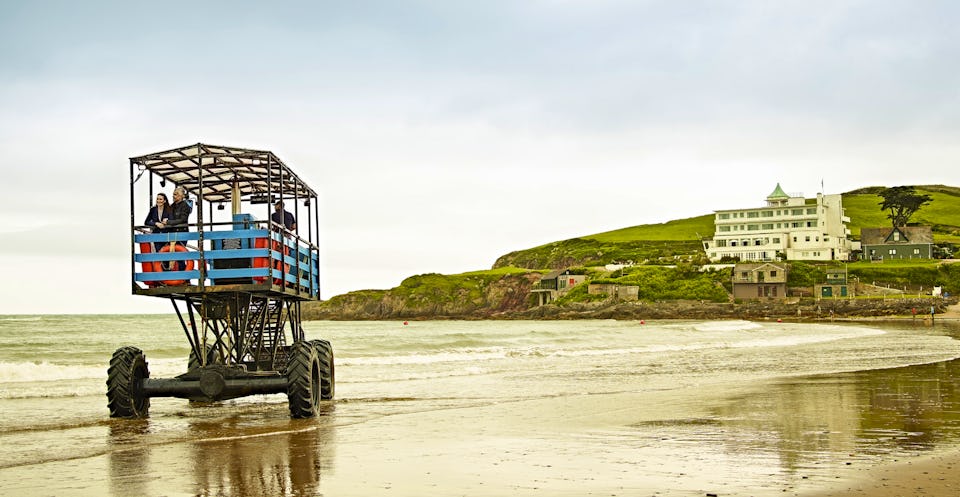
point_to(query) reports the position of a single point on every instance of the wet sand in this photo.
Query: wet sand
(931, 476)
(589, 445)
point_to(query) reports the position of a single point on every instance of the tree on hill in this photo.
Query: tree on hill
(902, 202)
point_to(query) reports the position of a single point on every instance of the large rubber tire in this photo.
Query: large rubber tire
(125, 397)
(327, 372)
(303, 380)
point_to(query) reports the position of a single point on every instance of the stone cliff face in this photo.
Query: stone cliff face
(508, 294)
(509, 298)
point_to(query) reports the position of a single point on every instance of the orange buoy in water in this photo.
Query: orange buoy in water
(405, 323)
(642, 322)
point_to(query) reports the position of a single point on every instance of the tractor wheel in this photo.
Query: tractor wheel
(327, 376)
(125, 397)
(303, 380)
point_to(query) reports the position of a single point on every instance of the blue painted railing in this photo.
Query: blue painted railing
(232, 256)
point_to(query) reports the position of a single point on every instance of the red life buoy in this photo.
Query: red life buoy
(283, 267)
(260, 262)
(146, 248)
(158, 266)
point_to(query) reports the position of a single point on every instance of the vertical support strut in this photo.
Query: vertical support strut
(186, 330)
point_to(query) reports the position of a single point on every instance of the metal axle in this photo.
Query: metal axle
(213, 386)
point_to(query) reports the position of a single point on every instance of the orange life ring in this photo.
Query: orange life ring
(158, 266)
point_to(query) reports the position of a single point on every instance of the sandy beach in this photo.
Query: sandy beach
(595, 408)
(931, 476)
(555, 447)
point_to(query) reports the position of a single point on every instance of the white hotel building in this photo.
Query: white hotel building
(787, 227)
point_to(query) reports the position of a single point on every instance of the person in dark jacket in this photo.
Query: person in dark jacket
(284, 217)
(159, 213)
(179, 212)
(179, 217)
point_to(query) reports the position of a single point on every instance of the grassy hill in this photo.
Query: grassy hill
(679, 230)
(679, 239)
(507, 287)
(943, 212)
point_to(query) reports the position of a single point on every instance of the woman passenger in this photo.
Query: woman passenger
(159, 214)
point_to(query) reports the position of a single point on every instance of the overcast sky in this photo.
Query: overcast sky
(443, 134)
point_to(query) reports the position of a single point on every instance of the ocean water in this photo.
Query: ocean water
(760, 404)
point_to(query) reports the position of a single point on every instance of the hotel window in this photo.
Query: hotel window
(723, 228)
(752, 227)
(796, 212)
(812, 211)
(807, 239)
(776, 240)
(768, 226)
(767, 214)
(723, 215)
(753, 214)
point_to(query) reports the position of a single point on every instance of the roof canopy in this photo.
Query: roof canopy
(778, 193)
(208, 172)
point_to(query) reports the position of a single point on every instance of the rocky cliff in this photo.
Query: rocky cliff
(508, 296)
(478, 298)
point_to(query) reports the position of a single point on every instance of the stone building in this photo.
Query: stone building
(760, 280)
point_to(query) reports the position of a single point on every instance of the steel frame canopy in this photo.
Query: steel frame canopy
(209, 171)
(211, 174)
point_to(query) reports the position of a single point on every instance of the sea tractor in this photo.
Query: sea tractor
(236, 281)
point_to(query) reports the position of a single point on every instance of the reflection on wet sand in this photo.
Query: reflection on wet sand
(127, 464)
(228, 458)
(284, 465)
(845, 417)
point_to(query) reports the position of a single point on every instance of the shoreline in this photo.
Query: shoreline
(792, 310)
